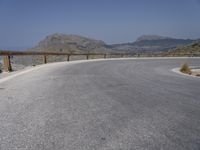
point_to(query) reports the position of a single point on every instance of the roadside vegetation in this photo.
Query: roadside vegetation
(185, 69)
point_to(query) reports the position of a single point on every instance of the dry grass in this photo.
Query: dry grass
(186, 69)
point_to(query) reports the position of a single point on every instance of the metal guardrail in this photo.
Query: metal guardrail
(7, 55)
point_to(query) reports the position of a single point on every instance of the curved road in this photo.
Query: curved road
(131, 104)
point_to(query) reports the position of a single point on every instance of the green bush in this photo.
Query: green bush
(185, 69)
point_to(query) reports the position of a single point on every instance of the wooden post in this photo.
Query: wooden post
(45, 59)
(7, 64)
(68, 57)
(87, 56)
(104, 56)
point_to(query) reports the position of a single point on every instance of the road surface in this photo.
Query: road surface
(132, 104)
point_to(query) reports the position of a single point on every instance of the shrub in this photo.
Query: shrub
(185, 69)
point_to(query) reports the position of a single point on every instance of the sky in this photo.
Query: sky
(23, 23)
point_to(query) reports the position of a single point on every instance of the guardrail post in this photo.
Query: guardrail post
(45, 59)
(7, 64)
(122, 55)
(87, 56)
(68, 57)
(105, 56)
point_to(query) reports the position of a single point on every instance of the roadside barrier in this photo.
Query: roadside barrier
(7, 65)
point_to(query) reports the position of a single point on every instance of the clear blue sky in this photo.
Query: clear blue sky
(23, 23)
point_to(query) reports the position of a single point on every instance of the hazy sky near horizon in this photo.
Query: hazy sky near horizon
(23, 23)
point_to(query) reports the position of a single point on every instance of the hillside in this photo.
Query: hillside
(151, 44)
(192, 48)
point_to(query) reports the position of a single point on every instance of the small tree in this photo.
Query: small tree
(185, 69)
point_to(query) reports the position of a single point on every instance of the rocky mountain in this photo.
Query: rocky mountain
(70, 43)
(151, 43)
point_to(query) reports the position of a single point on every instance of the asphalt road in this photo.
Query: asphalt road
(104, 105)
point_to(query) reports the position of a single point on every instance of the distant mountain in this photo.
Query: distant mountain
(79, 44)
(151, 37)
(151, 43)
(70, 43)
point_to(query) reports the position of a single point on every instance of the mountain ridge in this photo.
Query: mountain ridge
(59, 42)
